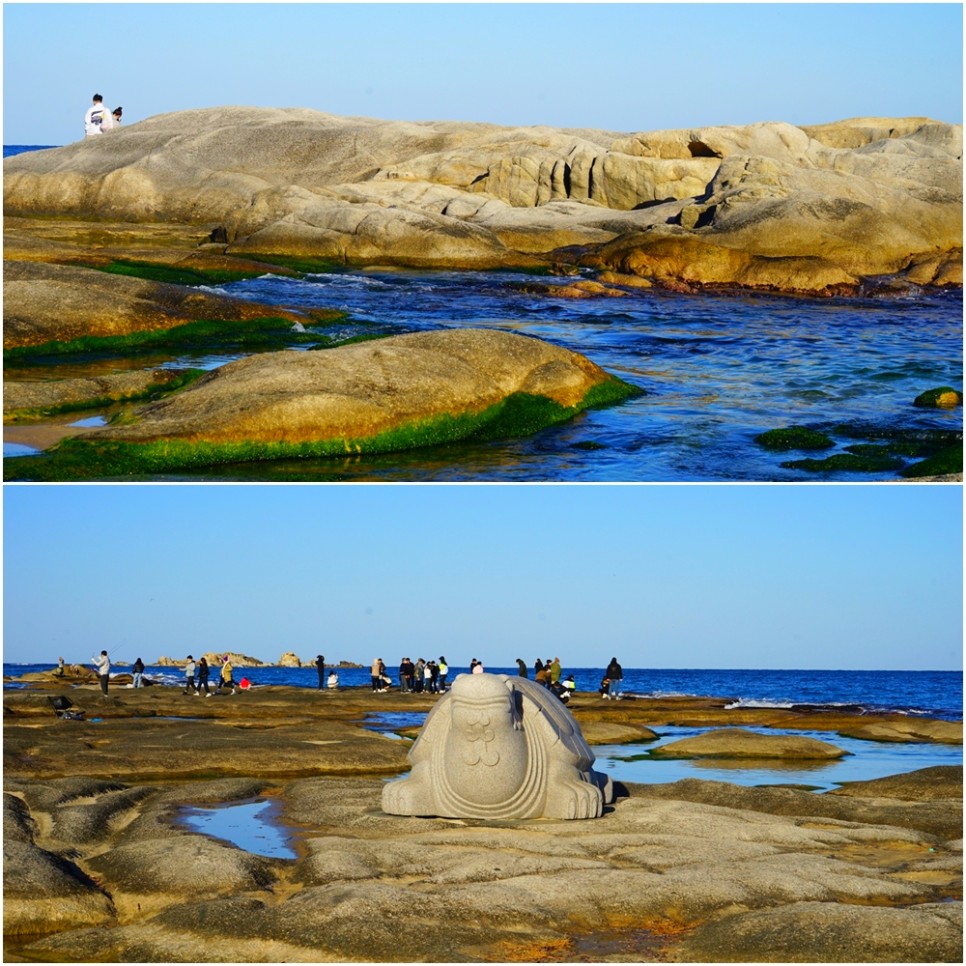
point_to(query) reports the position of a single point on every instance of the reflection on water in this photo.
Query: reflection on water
(864, 760)
(252, 826)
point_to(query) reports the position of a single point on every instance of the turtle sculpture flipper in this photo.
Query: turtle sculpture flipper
(499, 747)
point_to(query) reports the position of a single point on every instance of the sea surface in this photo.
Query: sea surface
(934, 694)
(714, 372)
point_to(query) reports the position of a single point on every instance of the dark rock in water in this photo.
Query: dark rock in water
(944, 397)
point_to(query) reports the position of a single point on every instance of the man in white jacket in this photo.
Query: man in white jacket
(98, 118)
(102, 665)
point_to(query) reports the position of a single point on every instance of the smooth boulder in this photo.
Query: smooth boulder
(352, 394)
(741, 743)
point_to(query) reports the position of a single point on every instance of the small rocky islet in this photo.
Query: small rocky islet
(98, 867)
(106, 242)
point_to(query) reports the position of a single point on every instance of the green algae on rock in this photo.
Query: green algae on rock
(421, 389)
(943, 397)
(794, 437)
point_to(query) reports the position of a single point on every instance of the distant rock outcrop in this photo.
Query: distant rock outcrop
(769, 206)
(288, 659)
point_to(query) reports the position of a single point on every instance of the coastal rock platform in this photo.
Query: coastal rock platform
(686, 872)
(770, 206)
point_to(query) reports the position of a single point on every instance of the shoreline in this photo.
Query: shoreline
(658, 877)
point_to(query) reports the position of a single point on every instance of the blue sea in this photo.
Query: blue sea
(715, 371)
(934, 694)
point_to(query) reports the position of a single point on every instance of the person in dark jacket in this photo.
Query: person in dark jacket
(138, 673)
(616, 674)
(522, 668)
(203, 672)
(320, 664)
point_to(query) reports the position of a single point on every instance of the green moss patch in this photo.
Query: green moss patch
(794, 437)
(519, 415)
(949, 460)
(204, 335)
(176, 274)
(151, 392)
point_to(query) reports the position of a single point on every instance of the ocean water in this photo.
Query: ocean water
(935, 694)
(715, 371)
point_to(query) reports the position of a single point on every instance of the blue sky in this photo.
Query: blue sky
(619, 67)
(716, 576)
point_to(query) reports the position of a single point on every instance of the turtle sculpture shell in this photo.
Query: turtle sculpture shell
(499, 747)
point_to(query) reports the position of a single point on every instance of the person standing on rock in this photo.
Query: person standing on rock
(320, 665)
(102, 665)
(522, 670)
(616, 675)
(203, 672)
(138, 680)
(443, 671)
(555, 671)
(60, 667)
(98, 118)
(189, 676)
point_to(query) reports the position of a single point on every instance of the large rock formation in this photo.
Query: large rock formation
(390, 394)
(765, 206)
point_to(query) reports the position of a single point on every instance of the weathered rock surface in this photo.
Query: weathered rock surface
(356, 392)
(765, 206)
(739, 743)
(692, 871)
(46, 302)
(57, 393)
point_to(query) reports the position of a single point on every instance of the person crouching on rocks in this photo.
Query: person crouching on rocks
(226, 681)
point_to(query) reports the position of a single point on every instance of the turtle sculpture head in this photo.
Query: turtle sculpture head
(499, 747)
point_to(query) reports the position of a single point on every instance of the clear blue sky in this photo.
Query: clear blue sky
(620, 67)
(719, 576)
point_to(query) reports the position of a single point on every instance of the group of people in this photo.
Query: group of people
(332, 681)
(423, 676)
(196, 677)
(99, 119)
(548, 674)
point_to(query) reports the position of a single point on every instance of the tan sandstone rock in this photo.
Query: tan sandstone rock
(359, 391)
(813, 209)
(740, 743)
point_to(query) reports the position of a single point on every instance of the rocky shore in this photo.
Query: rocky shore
(108, 244)
(97, 866)
(826, 209)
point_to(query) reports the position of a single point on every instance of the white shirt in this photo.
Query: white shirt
(97, 119)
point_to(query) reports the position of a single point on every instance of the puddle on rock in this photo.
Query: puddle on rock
(91, 421)
(389, 723)
(252, 826)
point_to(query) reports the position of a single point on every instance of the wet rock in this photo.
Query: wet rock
(393, 393)
(737, 743)
(59, 303)
(944, 397)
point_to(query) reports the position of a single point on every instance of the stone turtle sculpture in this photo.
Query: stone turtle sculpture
(499, 747)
